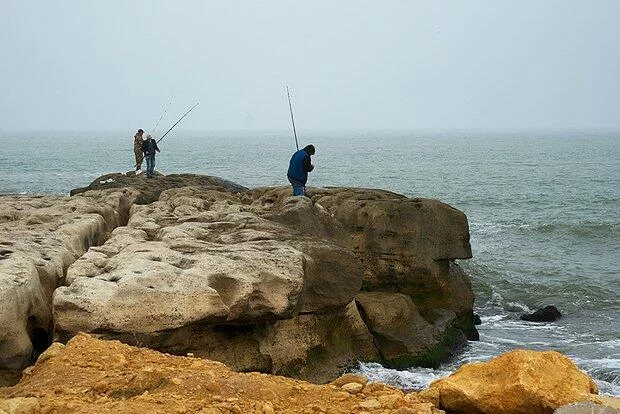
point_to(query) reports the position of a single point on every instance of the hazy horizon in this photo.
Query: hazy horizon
(543, 132)
(71, 65)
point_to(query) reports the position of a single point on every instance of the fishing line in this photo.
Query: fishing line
(164, 113)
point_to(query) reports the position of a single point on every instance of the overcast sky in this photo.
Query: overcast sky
(101, 65)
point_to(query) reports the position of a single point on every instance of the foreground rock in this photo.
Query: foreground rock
(517, 382)
(260, 280)
(94, 376)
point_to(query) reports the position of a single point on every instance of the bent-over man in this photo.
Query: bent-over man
(298, 169)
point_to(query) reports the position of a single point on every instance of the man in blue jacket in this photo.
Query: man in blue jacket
(298, 169)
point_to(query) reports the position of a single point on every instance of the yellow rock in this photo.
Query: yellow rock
(370, 404)
(19, 405)
(347, 378)
(517, 382)
(55, 349)
(352, 387)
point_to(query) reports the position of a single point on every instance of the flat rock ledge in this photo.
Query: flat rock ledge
(97, 376)
(254, 278)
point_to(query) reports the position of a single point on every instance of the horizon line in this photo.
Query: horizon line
(314, 130)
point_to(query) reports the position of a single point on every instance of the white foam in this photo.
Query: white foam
(516, 307)
(410, 379)
(491, 319)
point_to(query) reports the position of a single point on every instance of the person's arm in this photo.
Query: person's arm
(156, 147)
(308, 164)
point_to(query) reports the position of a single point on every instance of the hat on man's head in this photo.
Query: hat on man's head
(149, 136)
(309, 149)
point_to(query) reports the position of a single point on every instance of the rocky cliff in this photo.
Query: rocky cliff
(254, 278)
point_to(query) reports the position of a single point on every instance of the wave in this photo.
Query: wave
(604, 371)
(578, 230)
(413, 379)
(584, 229)
(595, 227)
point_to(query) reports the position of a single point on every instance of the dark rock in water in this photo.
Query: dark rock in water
(546, 314)
(477, 320)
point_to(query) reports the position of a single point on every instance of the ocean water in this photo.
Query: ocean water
(543, 210)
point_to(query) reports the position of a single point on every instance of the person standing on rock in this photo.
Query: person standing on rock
(298, 169)
(137, 150)
(149, 146)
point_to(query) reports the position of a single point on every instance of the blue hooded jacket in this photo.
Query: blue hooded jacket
(299, 166)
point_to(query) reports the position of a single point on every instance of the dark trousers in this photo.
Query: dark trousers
(150, 164)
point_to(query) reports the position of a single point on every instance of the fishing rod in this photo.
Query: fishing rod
(175, 124)
(292, 119)
(164, 113)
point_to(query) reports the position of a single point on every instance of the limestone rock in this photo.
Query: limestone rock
(149, 190)
(255, 278)
(406, 245)
(516, 382)
(400, 333)
(39, 239)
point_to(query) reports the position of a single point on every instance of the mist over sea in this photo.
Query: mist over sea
(543, 211)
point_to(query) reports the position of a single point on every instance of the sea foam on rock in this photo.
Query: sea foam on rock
(264, 281)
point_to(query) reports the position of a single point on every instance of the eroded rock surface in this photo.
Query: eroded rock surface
(40, 237)
(263, 281)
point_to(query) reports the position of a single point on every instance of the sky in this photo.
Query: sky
(350, 65)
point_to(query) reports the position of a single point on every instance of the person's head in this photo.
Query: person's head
(149, 136)
(309, 149)
(140, 131)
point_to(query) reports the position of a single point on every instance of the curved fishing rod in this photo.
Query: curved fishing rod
(175, 124)
(164, 113)
(292, 119)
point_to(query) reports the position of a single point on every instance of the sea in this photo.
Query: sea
(543, 210)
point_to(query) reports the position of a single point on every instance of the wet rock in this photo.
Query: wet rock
(546, 314)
